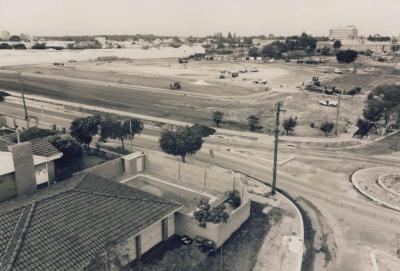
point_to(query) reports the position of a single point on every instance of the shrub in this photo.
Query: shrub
(233, 198)
(35, 132)
(205, 213)
(66, 144)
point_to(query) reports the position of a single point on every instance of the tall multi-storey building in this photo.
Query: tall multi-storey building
(343, 33)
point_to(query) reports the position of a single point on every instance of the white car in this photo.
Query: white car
(328, 103)
(338, 71)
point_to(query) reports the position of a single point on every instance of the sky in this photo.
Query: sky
(197, 17)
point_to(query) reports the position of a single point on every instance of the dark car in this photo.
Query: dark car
(206, 245)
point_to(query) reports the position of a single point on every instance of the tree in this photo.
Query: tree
(337, 44)
(274, 50)
(382, 104)
(83, 129)
(15, 38)
(347, 56)
(120, 129)
(253, 52)
(364, 127)
(254, 123)
(66, 144)
(202, 130)
(327, 127)
(217, 117)
(289, 124)
(181, 142)
(395, 48)
(35, 132)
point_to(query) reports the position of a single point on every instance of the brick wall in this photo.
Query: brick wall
(8, 189)
(110, 169)
(209, 180)
(219, 233)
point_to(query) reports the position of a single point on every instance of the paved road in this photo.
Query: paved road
(358, 225)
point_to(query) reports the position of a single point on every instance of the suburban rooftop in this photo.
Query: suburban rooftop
(65, 228)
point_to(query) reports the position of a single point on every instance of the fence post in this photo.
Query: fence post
(204, 179)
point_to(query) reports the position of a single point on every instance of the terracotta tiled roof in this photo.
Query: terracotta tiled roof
(63, 231)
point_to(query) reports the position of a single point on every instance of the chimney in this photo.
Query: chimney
(25, 178)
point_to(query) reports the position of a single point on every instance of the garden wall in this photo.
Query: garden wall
(219, 233)
(211, 180)
(110, 169)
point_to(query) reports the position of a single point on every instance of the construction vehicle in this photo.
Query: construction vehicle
(315, 85)
(175, 86)
(183, 60)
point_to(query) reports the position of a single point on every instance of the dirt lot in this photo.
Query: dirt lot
(141, 86)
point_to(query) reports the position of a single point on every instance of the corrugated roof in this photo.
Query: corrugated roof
(66, 229)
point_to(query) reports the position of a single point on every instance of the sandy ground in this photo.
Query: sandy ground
(142, 86)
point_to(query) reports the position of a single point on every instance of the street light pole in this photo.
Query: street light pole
(277, 130)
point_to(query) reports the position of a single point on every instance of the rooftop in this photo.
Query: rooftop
(40, 147)
(63, 230)
(7, 163)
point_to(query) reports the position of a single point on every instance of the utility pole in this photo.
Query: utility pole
(277, 130)
(337, 114)
(23, 100)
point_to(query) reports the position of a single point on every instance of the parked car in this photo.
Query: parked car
(338, 71)
(328, 103)
(206, 245)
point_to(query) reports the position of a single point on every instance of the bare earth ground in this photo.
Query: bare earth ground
(236, 97)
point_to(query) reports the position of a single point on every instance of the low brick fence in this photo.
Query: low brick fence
(111, 169)
(219, 233)
(213, 180)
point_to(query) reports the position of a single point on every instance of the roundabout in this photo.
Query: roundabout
(380, 184)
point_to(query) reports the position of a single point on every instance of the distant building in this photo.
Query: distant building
(102, 41)
(360, 45)
(5, 35)
(343, 33)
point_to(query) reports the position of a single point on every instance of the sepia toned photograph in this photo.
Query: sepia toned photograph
(183, 135)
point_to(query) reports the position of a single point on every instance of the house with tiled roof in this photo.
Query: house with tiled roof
(66, 226)
(40, 151)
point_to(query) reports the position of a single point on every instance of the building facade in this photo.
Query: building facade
(5, 35)
(342, 33)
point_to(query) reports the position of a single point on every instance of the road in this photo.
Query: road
(319, 175)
